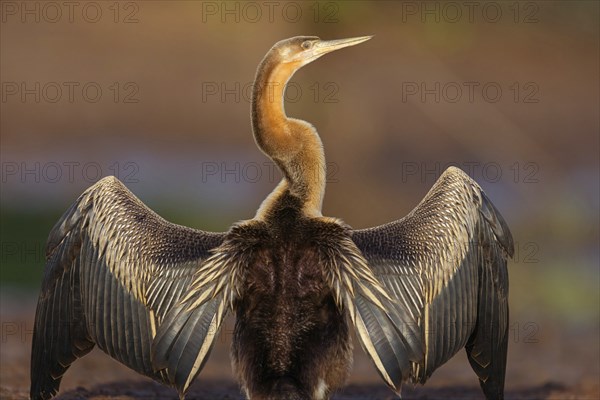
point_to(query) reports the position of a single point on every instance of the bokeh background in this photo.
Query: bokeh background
(157, 93)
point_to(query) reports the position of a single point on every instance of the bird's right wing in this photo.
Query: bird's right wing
(114, 270)
(386, 331)
(444, 264)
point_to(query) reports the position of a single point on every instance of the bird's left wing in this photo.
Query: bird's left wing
(444, 265)
(114, 269)
(185, 337)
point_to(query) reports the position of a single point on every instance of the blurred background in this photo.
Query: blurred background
(157, 93)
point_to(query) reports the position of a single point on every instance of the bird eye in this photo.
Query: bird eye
(306, 45)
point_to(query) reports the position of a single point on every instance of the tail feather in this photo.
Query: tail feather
(288, 389)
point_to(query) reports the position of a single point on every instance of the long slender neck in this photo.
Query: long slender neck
(292, 144)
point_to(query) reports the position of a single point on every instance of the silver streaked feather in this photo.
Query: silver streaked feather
(445, 266)
(185, 337)
(114, 269)
(387, 333)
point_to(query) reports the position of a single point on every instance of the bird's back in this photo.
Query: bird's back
(290, 340)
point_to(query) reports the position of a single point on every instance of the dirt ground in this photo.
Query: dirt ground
(557, 367)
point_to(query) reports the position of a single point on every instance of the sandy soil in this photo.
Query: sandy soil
(556, 367)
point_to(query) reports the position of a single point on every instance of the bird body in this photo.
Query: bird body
(288, 322)
(153, 294)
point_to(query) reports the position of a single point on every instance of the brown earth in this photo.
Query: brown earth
(555, 367)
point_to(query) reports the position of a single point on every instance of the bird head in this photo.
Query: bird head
(301, 50)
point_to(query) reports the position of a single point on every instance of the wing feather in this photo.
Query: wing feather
(444, 264)
(185, 338)
(387, 333)
(114, 269)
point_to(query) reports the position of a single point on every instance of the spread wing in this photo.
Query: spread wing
(114, 269)
(445, 265)
(184, 339)
(386, 331)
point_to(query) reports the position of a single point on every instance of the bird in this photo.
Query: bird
(153, 295)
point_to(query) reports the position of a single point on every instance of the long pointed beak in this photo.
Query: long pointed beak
(327, 46)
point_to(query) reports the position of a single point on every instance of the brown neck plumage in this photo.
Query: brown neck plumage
(292, 144)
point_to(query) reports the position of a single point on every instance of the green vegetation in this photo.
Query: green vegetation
(22, 246)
